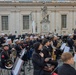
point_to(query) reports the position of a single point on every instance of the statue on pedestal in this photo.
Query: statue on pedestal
(44, 12)
(45, 20)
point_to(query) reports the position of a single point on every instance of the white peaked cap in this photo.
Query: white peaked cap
(31, 37)
(2, 34)
(26, 37)
(35, 37)
(21, 39)
(5, 44)
(55, 36)
(8, 40)
(70, 34)
(15, 40)
(42, 37)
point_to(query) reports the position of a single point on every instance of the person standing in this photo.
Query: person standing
(5, 56)
(66, 68)
(39, 62)
(70, 41)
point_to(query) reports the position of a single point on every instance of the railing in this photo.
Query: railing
(37, 0)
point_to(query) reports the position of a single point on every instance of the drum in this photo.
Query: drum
(8, 64)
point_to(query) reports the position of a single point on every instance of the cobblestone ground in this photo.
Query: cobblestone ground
(28, 71)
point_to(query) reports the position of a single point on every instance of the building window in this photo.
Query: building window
(4, 20)
(25, 22)
(64, 21)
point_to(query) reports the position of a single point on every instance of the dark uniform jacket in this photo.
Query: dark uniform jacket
(46, 52)
(2, 40)
(70, 43)
(18, 49)
(4, 57)
(66, 69)
(38, 63)
(55, 43)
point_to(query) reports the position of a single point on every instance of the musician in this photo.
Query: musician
(27, 44)
(66, 68)
(39, 62)
(46, 48)
(9, 42)
(2, 39)
(5, 56)
(55, 38)
(11, 37)
(70, 41)
(74, 37)
(24, 58)
(46, 53)
(50, 46)
(18, 47)
(57, 51)
(64, 38)
(74, 31)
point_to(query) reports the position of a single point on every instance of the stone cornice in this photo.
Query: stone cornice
(37, 4)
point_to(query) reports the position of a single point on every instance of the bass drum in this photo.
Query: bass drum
(9, 64)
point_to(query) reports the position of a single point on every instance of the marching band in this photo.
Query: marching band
(45, 51)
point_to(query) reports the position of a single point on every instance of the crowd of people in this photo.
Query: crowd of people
(43, 50)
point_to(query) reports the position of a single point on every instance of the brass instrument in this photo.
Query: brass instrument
(74, 42)
(53, 54)
(10, 61)
(13, 54)
(59, 43)
(74, 49)
(54, 49)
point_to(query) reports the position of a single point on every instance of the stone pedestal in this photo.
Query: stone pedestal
(45, 27)
(45, 24)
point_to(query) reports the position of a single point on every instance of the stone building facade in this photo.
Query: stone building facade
(16, 17)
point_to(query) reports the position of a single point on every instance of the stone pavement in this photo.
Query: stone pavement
(28, 71)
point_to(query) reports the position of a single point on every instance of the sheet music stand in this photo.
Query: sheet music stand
(62, 46)
(17, 66)
(66, 49)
